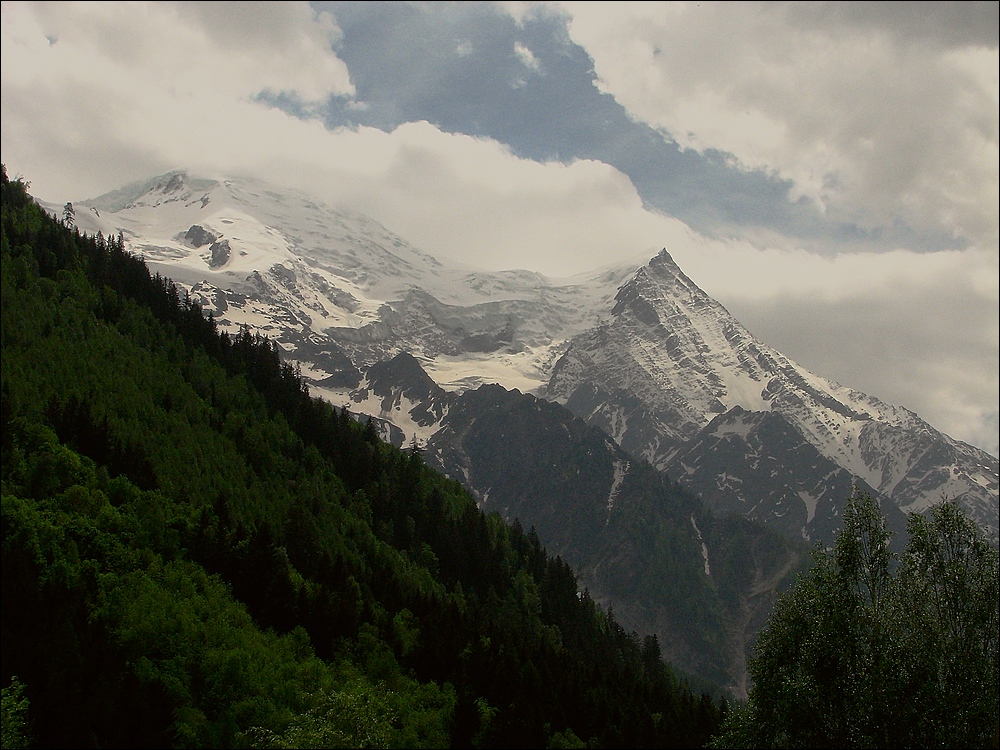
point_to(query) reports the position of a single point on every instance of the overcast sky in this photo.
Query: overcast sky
(827, 171)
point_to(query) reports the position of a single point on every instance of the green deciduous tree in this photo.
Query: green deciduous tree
(15, 716)
(871, 650)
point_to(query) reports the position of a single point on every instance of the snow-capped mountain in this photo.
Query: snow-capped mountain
(324, 281)
(639, 351)
(674, 378)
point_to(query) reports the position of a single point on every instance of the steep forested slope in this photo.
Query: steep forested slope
(195, 552)
(639, 542)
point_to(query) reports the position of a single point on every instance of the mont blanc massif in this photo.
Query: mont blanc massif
(681, 466)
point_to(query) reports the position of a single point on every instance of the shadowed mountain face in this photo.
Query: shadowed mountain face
(642, 545)
(759, 465)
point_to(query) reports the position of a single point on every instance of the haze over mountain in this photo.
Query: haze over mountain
(638, 350)
(306, 273)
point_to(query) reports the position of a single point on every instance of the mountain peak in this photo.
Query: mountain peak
(663, 258)
(660, 290)
(664, 269)
(169, 186)
(403, 371)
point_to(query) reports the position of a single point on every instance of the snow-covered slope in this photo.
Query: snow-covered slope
(322, 281)
(671, 360)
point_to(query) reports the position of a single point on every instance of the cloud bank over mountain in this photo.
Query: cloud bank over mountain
(827, 171)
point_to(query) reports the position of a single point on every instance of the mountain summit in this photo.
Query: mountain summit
(674, 378)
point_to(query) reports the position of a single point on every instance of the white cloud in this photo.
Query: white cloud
(872, 125)
(219, 49)
(125, 89)
(82, 117)
(527, 57)
(470, 199)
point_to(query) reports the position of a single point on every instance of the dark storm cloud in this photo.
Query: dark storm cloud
(455, 67)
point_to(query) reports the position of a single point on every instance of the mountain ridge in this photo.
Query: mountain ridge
(676, 358)
(643, 353)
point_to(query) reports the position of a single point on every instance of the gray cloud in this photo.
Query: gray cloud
(948, 24)
(454, 66)
(878, 127)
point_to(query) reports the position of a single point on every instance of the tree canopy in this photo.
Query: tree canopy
(874, 649)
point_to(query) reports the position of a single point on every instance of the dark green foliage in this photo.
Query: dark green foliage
(15, 716)
(197, 553)
(873, 650)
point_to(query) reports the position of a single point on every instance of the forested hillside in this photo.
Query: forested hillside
(198, 553)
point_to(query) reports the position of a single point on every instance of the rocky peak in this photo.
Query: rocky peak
(662, 291)
(174, 183)
(403, 372)
(197, 236)
(672, 359)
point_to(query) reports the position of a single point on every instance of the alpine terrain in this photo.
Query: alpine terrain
(680, 465)
(674, 378)
(640, 352)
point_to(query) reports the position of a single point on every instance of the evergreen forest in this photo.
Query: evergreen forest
(197, 553)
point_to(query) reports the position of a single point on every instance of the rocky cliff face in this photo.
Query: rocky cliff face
(674, 378)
